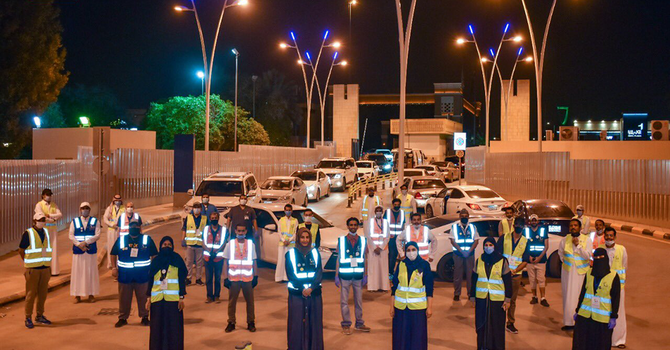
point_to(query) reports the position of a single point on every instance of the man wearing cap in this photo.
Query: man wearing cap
(126, 218)
(585, 220)
(191, 235)
(36, 251)
(52, 214)
(368, 205)
(84, 233)
(112, 215)
(536, 257)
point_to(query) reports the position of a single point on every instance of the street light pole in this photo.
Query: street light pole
(237, 56)
(253, 81)
(324, 95)
(201, 75)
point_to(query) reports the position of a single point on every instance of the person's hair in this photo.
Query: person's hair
(215, 213)
(308, 210)
(352, 219)
(241, 225)
(403, 185)
(243, 195)
(579, 222)
(197, 205)
(207, 194)
(611, 229)
(396, 200)
(602, 221)
(508, 208)
(371, 189)
(47, 192)
(413, 215)
(519, 222)
(288, 206)
(464, 212)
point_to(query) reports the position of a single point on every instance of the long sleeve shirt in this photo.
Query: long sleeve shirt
(84, 222)
(615, 294)
(383, 226)
(112, 215)
(426, 276)
(52, 217)
(506, 277)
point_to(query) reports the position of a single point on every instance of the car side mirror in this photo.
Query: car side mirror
(271, 227)
(190, 192)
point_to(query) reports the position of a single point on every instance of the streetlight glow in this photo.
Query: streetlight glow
(485, 60)
(529, 59)
(38, 121)
(344, 63)
(181, 8)
(283, 45)
(301, 62)
(200, 74)
(517, 38)
(234, 51)
(336, 44)
(353, 2)
(84, 121)
(242, 2)
(460, 41)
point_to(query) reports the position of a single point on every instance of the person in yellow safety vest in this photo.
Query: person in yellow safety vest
(598, 236)
(50, 210)
(396, 219)
(464, 240)
(166, 298)
(491, 296)
(111, 217)
(36, 252)
(407, 201)
(368, 205)
(378, 237)
(416, 232)
(288, 226)
(585, 220)
(411, 301)
(312, 224)
(575, 252)
(191, 235)
(618, 259)
(598, 306)
(240, 274)
(507, 224)
(513, 247)
(125, 219)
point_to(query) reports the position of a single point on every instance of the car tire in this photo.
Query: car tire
(429, 211)
(445, 268)
(328, 191)
(554, 266)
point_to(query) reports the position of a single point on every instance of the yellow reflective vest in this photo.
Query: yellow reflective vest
(193, 232)
(406, 204)
(411, 292)
(570, 259)
(287, 230)
(168, 288)
(492, 287)
(507, 227)
(514, 257)
(598, 306)
(37, 254)
(364, 208)
(617, 263)
(313, 230)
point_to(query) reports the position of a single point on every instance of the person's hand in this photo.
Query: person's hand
(378, 250)
(337, 282)
(254, 282)
(181, 305)
(226, 283)
(574, 317)
(429, 312)
(115, 272)
(430, 259)
(148, 305)
(307, 292)
(285, 243)
(183, 243)
(364, 281)
(575, 241)
(505, 305)
(392, 312)
(612, 323)
(465, 253)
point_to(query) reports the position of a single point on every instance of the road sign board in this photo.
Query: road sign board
(460, 154)
(459, 141)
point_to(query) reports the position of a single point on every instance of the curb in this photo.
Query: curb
(58, 281)
(658, 234)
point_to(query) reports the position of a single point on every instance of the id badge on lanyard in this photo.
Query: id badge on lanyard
(134, 252)
(595, 302)
(164, 281)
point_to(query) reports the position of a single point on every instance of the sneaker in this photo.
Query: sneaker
(199, 282)
(346, 330)
(251, 327)
(145, 321)
(533, 301)
(567, 328)
(510, 328)
(230, 327)
(209, 300)
(544, 303)
(621, 346)
(217, 300)
(362, 328)
(42, 320)
(29, 323)
(120, 323)
(457, 297)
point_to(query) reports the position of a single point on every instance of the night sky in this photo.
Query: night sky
(604, 57)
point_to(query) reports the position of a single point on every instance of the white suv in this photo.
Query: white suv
(225, 188)
(341, 171)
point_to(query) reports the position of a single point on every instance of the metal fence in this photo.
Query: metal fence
(628, 190)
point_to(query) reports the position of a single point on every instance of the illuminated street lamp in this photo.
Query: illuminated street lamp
(322, 96)
(37, 121)
(84, 122)
(201, 75)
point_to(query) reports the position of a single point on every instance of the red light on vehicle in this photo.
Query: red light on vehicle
(418, 196)
(474, 206)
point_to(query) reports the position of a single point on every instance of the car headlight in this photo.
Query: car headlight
(285, 197)
(337, 176)
(387, 166)
(311, 187)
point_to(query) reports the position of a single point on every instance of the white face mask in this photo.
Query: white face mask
(243, 202)
(378, 215)
(309, 219)
(352, 233)
(130, 210)
(600, 232)
(47, 198)
(205, 200)
(40, 224)
(196, 211)
(412, 255)
(609, 243)
(404, 192)
(85, 213)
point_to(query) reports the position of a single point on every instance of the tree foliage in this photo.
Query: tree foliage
(32, 71)
(98, 103)
(186, 115)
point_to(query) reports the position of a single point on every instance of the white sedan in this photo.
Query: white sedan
(367, 168)
(284, 189)
(317, 182)
(477, 200)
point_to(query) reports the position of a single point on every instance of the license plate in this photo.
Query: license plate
(267, 201)
(554, 228)
(493, 207)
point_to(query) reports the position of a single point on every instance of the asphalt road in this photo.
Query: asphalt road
(451, 327)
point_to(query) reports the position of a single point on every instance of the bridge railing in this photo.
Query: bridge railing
(358, 188)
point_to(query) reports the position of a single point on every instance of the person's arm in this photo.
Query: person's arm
(507, 281)
(224, 272)
(500, 245)
(615, 294)
(475, 276)
(428, 280)
(387, 234)
(561, 248)
(317, 241)
(475, 237)
(24, 244)
(153, 251)
(318, 275)
(584, 251)
(183, 229)
(57, 215)
(71, 235)
(400, 245)
(107, 218)
(500, 228)
(96, 236)
(337, 262)
(455, 245)
(414, 210)
(118, 225)
(38, 208)
(624, 260)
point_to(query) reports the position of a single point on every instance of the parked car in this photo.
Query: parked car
(224, 190)
(385, 164)
(478, 200)
(284, 189)
(317, 182)
(454, 159)
(449, 169)
(342, 171)
(413, 157)
(431, 170)
(386, 152)
(422, 188)
(554, 214)
(267, 217)
(487, 226)
(415, 172)
(367, 168)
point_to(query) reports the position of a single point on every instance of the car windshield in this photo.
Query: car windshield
(300, 215)
(275, 184)
(331, 164)
(220, 188)
(305, 176)
(427, 167)
(364, 164)
(549, 210)
(425, 184)
(481, 194)
(414, 173)
(379, 158)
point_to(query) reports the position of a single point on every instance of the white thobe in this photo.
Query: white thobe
(111, 217)
(53, 233)
(84, 278)
(572, 281)
(378, 264)
(619, 334)
(586, 223)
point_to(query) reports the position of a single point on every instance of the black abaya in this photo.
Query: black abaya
(167, 326)
(489, 315)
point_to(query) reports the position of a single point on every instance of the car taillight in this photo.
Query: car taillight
(418, 196)
(474, 206)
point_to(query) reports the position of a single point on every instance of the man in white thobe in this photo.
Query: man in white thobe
(112, 214)
(585, 220)
(50, 210)
(619, 262)
(378, 237)
(575, 252)
(84, 233)
(368, 205)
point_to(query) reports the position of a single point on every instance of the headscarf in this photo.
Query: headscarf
(601, 266)
(304, 250)
(493, 257)
(165, 258)
(412, 264)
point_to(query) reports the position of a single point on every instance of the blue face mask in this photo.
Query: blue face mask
(489, 250)
(241, 237)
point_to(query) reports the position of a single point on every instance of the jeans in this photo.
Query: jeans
(357, 285)
(213, 272)
(194, 256)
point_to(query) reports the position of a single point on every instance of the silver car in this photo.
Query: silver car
(284, 189)
(317, 182)
(422, 188)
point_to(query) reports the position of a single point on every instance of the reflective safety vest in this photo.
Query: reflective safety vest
(168, 288)
(597, 240)
(287, 229)
(49, 208)
(116, 213)
(125, 224)
(352, 259)
(493, 286)
(535, 247)
(395, 226)
(81, 234)
(617, 263)
(37, 254)
(411, 292)
(506, 226)
(241, 264)
(421, 239)
(466, 239)
(313, 230)
(406, 203)
(514, 257)
(364, 208)
(127, 262)
(193, 232)
(598, 306)
(570, 259)
(304, 271)
(377, 232)
(214, 243)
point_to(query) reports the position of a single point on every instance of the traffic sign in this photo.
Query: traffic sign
(460, 154)
(459, 141)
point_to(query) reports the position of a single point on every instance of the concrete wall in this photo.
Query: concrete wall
(63, 143)
(433, 146)
(517, 128)
(137, 139)
(591, 149)
(345, 117)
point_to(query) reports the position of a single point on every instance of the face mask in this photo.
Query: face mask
(40, 224)
(580, 213)
(288, 213)
(205, 200)
(134, 231)
(489, 250)
(518, 229)
(166, 250)
(309, 219)
(378, 215)
(464, 221)
(600, 232)
(371, 195)
(412, 255)
(85, 213)
(404, 192)
(243, 202)
(196, 211)
(241, 237)
(352, 233)
(396, 207)
(609, 243)
(117, 203)
(47, 198)
(214, 222)
(130, 210)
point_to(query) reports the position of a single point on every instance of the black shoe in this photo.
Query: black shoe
(230, 327)
(217, 300)
(251, 327)
(145, 321)
(209, 300)
(533, 301)
(188, 282)
(29, 323)
(544, 303)
(42, 320)
(457, 297)
(199, 282)
(120, 323)
(567, 328)
(510, 328)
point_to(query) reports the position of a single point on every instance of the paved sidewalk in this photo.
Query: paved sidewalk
(12, 281)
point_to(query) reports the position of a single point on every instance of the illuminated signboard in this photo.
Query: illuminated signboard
(635, 126)
(459, 141)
